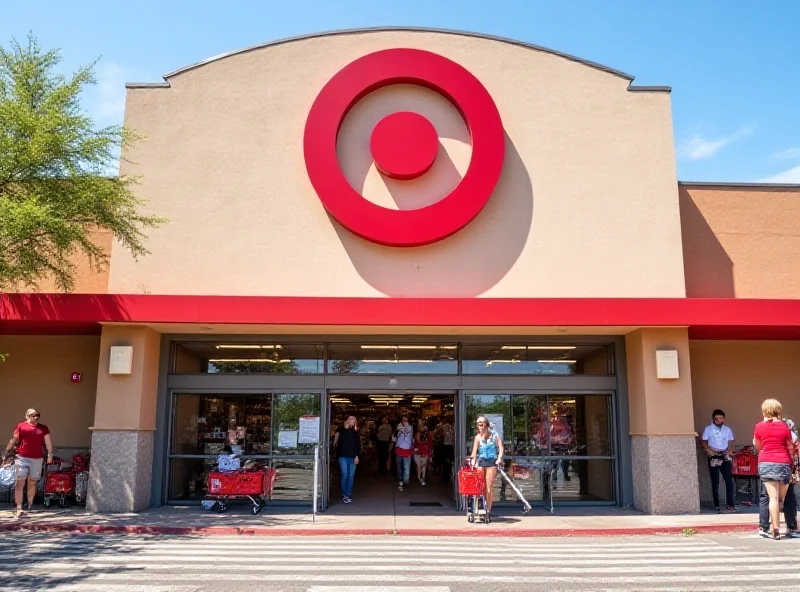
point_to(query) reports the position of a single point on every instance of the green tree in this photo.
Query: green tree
(55, 186)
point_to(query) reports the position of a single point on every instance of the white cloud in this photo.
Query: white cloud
(792, 153)
(790, 176)
(698, 147)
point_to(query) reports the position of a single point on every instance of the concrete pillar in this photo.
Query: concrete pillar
(120, 476)
(663, 440)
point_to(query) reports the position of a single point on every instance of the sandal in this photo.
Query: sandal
(776, 534)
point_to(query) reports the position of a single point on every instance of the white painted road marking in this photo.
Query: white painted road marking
(63, 563)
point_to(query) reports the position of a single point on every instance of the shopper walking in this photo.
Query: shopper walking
(382, 445)
(29, 438)
(448, 451)
(487, 455)
(789, 503)
(404, 449)
(717, 442)
(347, 442)
(422, 453)
(773, 440)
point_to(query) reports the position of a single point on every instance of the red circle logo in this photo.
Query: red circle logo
(404, 146)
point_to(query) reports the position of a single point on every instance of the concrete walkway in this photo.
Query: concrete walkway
(349, 520)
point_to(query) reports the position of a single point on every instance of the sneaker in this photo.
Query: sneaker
(764, 533)
(717, 510)
(791, 533)
(347, 500)
(731, 510)
(400, 486)
(422, 483)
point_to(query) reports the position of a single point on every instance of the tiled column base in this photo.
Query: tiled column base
(665, 474)
(121, 471)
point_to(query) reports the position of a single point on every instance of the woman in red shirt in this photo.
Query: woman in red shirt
(29, 438)
(773, 440)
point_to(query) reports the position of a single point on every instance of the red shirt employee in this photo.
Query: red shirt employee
(30, 438)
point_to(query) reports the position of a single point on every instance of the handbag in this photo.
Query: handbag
(795, 472)
(8, 475)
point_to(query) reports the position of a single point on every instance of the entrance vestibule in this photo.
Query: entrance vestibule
(376, 479)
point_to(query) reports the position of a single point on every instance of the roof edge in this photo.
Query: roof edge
(666, 89)
(147, 85)
(410, 30)
(754, 185)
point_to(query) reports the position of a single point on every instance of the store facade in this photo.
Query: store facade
(219, 393)
(412, 214)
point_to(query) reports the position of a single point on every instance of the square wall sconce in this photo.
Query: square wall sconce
(121, 360)
(667, 364)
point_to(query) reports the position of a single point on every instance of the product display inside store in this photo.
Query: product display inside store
(258, 427)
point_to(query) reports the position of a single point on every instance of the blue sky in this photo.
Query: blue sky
(733, 65)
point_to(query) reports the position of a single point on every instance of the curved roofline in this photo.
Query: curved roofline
(566, 56)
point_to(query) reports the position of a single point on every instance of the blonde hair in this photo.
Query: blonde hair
(771, 408)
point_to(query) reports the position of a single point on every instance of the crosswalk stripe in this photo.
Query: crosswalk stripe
(255, 543)
(587, 571)
(85, 587)
(378, 589)
(599, 579)
(429, 564)
(391, 558)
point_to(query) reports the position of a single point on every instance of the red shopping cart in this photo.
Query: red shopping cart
(471, 488)
(59, 486)
(231, 485)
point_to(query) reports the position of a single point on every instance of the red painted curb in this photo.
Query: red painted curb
(477, 531)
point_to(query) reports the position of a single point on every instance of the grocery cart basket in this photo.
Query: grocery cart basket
(59, 487)
(230, 485)
(471, 488)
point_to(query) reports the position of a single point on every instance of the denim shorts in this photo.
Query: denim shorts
(29, 468)
(487, 462)
(771, 471)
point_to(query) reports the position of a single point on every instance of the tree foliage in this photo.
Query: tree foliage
(55, 186)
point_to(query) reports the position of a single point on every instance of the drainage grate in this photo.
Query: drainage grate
(417, 504)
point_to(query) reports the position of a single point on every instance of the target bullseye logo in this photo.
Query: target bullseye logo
(404, 146)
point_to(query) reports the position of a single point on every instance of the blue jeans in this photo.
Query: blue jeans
(403, 468)
(347, 467)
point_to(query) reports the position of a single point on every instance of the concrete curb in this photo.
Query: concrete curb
(477, 531)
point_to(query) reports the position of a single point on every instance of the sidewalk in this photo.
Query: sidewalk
(418, 522)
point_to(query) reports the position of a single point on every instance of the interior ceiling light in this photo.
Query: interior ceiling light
(539, 347)
(253, 360)
(409, 346)
(397, 361)
(557, 361)
(248, 346)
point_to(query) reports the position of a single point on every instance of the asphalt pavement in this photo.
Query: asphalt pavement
(127, 563)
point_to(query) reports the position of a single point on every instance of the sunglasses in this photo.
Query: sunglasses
(37, 415)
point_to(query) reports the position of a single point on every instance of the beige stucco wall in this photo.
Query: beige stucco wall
(659, 407)
(590, 170)
(741, 242)
(128, 402)
(736, 376)
(37, 374)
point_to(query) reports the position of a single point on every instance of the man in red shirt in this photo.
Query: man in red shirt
(29, 438)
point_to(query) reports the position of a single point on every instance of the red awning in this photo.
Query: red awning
(708, 318)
